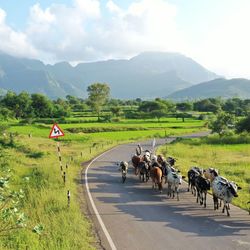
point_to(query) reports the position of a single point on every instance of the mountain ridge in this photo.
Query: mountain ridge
(220, 87)
(147, 75)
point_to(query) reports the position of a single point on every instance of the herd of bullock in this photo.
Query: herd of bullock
(147, 165)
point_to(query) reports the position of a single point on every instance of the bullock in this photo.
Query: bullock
(202, 185)
(174, 180)
(193, 173)
(136, 159)
(156, 176)
(135, 162)
(144, 168)
(123, 167)
(224, 190)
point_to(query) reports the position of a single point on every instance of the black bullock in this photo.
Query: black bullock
(202, 186)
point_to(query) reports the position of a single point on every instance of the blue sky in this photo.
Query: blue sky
(214, 33)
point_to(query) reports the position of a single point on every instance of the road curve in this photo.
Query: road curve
(135, 217)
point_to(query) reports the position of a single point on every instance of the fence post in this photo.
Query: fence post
(64, 177)
(59, 156)
(68, 197)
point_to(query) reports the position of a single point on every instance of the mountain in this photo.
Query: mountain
(19, 75)
(237, 87)
(148, 75)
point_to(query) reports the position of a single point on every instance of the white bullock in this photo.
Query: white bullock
(174, 180)
(224, 190)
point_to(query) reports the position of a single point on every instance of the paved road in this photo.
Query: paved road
(135, 217)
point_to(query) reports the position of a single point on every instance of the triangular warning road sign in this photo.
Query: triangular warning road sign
(55, 132)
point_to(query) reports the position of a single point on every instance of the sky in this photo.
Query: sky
(215, 33)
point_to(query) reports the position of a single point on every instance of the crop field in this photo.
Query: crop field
(232, 161)
(34, 164)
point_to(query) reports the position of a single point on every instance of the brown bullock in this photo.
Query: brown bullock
(156, 176)
(135, 161)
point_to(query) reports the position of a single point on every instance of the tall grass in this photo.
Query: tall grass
(232, 160)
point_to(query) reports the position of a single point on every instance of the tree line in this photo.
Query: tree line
(99, 103)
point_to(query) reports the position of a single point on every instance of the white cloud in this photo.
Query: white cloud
(112, 7)
(90, 8)
(40, 16)
(83, 31)
(13, 42)
(80, 32)
(145, 25)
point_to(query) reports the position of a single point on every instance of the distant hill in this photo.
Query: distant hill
(237, 87)
(148, 75)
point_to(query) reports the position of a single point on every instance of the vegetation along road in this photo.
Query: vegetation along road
(133, 216)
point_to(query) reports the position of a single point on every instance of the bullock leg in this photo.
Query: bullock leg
(160, 187)
(201, 197)
(136, 171)
(197, 197)
(153, 183)
(205, 199)
(168, 189)
(224, 206)
(215, 202)
(177, 193)
(228, 214)
(147, 176)
(123, 176)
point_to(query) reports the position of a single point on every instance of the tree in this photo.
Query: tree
(156, 109)
(243, 125)
(208, 105)
(19, 104)
(223, 123)
(233, 106)
(184, 106)
(98, 96)
(5, 113)
(41, 105)
(115, 110)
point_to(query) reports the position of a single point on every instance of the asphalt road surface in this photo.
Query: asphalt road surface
(135, 217)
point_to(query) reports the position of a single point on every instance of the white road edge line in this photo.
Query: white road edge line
(110, 241)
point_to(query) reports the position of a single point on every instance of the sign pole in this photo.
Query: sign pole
(55, 133)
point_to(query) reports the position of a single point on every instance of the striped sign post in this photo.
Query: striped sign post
(56, 132)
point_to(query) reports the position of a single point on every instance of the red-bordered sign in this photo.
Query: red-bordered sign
(56, 132)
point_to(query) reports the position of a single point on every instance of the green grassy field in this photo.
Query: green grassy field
(232, 161)
(46, 195)
(36, 157)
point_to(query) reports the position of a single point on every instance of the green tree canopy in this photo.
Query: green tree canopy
(41, 106)
(243, 125)
(98, 95)
(223, 123)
